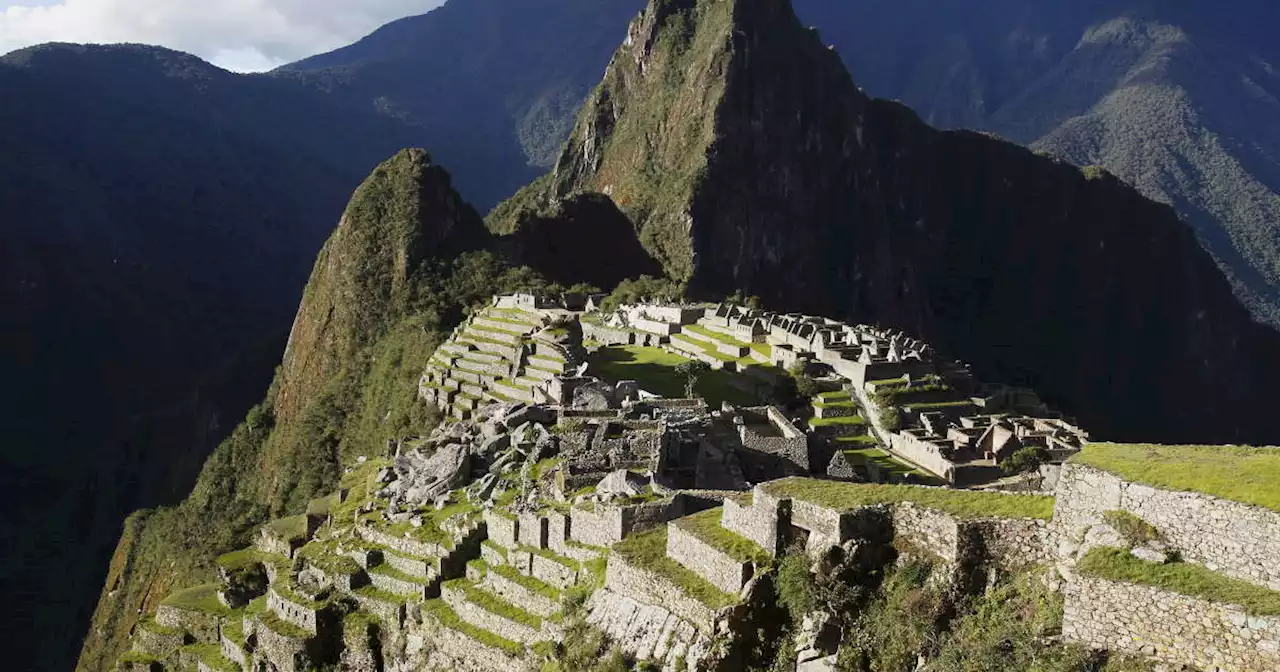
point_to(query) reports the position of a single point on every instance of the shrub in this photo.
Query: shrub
(1135, 530)
(1024, 460)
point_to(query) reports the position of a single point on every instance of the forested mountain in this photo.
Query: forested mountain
(161, 214)
(492, 85)
(1179, 98)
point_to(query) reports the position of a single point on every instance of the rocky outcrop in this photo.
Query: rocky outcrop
(748, 160)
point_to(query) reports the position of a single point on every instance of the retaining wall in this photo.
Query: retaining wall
(1228, 537)
(1169, 627)
(648, 588)
(707, 561)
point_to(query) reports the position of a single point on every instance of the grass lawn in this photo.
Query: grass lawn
(1248, 475)
(648, 550)
(959, 503)
(870, 454)
(655, 370)
(199, 598)
(706, 526)
(1180, 577)
(211, 656)
(833, 422)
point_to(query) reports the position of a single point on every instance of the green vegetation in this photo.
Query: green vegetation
(644, 288)
(392, 572)
(655, 370)
(706, 526)
(1025, 460)
(648, 550)
(1135, 530)
(375, 593)
(1247, 475)
(872, 455)
(527, 582)
(211, 655)
(959, 503)
(1116, 564)
(847, 421)
(446, 617)
(281, 626)
(198, 598)
(493, 546)
(291, 529)
(492, 603)
(553, 556)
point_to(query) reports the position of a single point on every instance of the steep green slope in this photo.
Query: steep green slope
(401, 267)
(748, 160)
(160, 216)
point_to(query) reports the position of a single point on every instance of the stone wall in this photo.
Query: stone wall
(606, 335)
(923, 454)
(520, 596)
(1169, 627)
(1228, 537)
(482, 618)
(756, 520)
(532, 530)
(552, 572)
(707, 561)
(203, 626)
(558, 525)
(1014, 544)
(391, 613)
(646, 587)
(928, 530)
(602, 527)
(405, 546)
(463, 654)
(649, 632)
(291, 612)
(503, 530)
(278, 650)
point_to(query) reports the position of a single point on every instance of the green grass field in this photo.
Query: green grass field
(655, 370)
(1116, 564)
(1248, 475)
(959, 503)
(706, 526)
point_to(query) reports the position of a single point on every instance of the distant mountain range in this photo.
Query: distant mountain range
(161, 215)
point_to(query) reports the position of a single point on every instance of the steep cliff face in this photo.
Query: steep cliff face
(747, 159)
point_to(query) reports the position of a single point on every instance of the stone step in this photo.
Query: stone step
(461, 413)
(455, 348)
(502, 325)
(156, 640)
(523, 317)
(530, 381)
(504, 350)
(545, 565)
(723, 558)
(508, 389)
(488, 611)
(482, 357)
(505, 337)
(387, 606)
(689, 334)
(535, 596)
(294, 609)
(396, 582)
(544, 363)
(204, 658)
(551, 351)
(427, 568)
(540, 375)
(481, 649)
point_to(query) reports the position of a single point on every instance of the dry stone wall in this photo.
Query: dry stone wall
(645, 587)
(649, 632)
(1169, 627)
(756, 520)
(707, 561)
(1228, 537)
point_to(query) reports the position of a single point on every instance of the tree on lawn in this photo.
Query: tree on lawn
(691, 370)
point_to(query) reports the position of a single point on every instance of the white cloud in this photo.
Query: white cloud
(241, 35)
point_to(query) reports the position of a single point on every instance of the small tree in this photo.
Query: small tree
(1024, 460)
(691, 370)
(806, 386)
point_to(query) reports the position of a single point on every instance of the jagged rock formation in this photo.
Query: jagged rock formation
(747, 159)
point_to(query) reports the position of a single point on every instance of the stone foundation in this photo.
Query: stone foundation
(707, 561)
(646, 587)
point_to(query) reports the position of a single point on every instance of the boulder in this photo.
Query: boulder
(622, 483)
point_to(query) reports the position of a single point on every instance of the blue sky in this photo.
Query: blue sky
(241, 35)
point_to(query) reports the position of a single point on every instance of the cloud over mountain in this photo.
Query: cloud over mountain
(242, 35)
